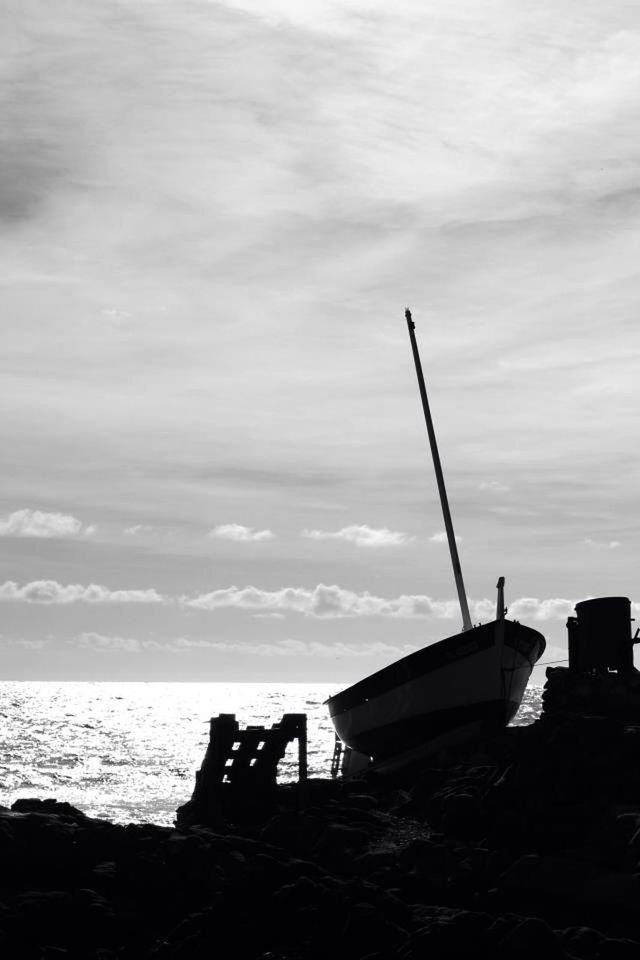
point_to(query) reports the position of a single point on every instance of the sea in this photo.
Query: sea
(128, 752)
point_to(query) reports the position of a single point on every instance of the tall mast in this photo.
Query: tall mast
(446, 513)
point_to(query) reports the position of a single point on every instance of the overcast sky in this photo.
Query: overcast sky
(212, 216)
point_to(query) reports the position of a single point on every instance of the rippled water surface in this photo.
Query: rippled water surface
(128, 752)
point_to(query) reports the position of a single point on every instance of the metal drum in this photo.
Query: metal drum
(604, 634)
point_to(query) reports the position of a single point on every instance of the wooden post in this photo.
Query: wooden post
(240, 768)
(302, 762)
(223, 731)
(500, 608)
(302, 749)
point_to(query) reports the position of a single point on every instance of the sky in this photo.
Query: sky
(212, 217)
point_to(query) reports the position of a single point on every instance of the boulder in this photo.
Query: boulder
(50, 805)
(562, 880)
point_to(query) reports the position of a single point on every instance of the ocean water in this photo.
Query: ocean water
(128, 752)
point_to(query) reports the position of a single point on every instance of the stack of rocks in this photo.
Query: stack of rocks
(600, 693)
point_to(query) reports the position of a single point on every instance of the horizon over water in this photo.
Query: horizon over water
(128, 751)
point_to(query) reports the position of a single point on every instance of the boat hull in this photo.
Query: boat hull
(471, 682)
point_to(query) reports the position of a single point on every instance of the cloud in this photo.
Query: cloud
(109, 644)
(494, 486)
(361, 535)
(241, 534)
(441, 537)
(36, 644)
(299, 648)
(322, 602)
(330, 602)
(35, 523)
(51, 592)
(531, 608)
(187, 643)
(97, 641)
(602, 544)
(136, 529)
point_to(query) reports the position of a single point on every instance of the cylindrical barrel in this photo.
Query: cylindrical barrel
(604, 627)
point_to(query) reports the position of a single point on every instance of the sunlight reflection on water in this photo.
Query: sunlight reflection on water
(128, 752)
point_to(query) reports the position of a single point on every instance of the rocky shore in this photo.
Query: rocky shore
(526, 846)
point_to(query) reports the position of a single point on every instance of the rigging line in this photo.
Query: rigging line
(547, 663)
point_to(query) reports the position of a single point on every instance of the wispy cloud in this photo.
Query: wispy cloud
(441, 537)
(531, 608)
(240, 533)
(602, 544)
(136, 529)
(114, 644)
(197, 643)
(25, 643)
(299, 648)
(312, 649)
(361, 535)
(52, 592)
(36, 523)
(494, 486)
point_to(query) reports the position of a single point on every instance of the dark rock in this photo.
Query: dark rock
(374, 861)
(610, 842)
(581, 942)
(368, 933)
(363, 801)
(462, 815)
(105, 876)
(297, 834)
(569, 881)
(339, 842)
(304, 868)
(530, 939)
(50, 805)
(618, 949)
(423, 855)
(446, 932)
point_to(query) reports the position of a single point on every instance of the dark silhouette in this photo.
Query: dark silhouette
(524, 845)
(238, 776)
(459, 688)
(600, 636)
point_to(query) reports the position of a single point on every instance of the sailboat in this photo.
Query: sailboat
(456, 689)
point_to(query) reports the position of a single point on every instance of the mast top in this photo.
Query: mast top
(446, 513)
